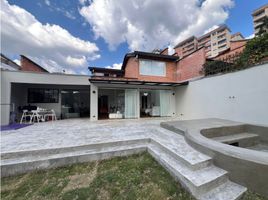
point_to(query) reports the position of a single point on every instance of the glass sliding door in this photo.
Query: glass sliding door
(131, 103)
(111, 103)
(165, 102)
(74, 103)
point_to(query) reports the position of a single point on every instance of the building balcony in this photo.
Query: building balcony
(221, 36)
(259, 16)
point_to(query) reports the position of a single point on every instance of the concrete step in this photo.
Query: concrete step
(226, 191)
(21, 165)
(194, 164)
(70, 149)
(243, 139)
(178, 146)
(196, 181)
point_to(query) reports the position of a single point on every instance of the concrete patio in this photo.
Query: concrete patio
(54, 144)
(75, 132)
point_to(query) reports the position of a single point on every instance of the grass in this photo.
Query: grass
(134, 177)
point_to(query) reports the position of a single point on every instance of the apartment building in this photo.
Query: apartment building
(258, 17)
(214, 42)
(186, 47)
(237, 37)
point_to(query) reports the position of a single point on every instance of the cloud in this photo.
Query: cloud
(150, 24)
(115, 66)
(211, 29)
(69, 14)
(16, 61)
(250, 36)
(50, 45)
(47, 2)
(83, 2)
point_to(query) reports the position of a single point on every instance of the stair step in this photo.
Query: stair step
(242, 139)
(71, 149)
(196, 181)
(226, 191)
(235, 137)
(195, 164)
(30, 163)
(190, 156)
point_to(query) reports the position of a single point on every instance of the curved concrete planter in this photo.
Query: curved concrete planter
(246, 167)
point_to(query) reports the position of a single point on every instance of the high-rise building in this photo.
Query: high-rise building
(258, 16)
(186, 47)
(214, 42)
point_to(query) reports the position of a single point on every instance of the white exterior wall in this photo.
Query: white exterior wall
(173, 103)
(94, 102)
(8, 77)
(240, 96)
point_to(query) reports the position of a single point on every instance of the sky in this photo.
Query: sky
(73, 35)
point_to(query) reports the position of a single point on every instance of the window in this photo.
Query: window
(40, 95)
(222, 41)
(152, 68)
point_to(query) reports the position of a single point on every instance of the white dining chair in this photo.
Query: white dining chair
(36, 117)
(25, 115)
(52, 114)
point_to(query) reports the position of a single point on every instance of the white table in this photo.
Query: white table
(115, 116)
(39, 115)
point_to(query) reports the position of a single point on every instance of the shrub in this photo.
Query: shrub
(255, 52)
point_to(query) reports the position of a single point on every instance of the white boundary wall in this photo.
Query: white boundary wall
(240, 96)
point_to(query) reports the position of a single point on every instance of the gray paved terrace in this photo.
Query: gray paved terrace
(75, 132)
(105, 139)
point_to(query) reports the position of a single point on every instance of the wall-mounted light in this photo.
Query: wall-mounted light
(173, 93)
(93, 91)
(145, 94)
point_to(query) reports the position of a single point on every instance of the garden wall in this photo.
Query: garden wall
(240, 96)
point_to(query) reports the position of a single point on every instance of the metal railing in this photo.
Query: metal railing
(223, 65)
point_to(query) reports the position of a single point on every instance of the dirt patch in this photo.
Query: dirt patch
(103, 195)
(14, 184)
(81, 180)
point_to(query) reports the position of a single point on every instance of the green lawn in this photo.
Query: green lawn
(133, 177)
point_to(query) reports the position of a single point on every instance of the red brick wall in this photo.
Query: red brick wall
(191, 66)
(236, 44)
(179, 51)
(132, 71)
(164, 52)
(132, 68)
(28, 65)
(236, 47)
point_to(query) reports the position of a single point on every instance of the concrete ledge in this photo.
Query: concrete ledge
(53, 151)
(28, 166)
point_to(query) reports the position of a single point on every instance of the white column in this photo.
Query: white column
(173, 103)
(138, 102)
(93, 102)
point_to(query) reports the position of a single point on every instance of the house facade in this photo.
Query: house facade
(67, 95)
(144, 87)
